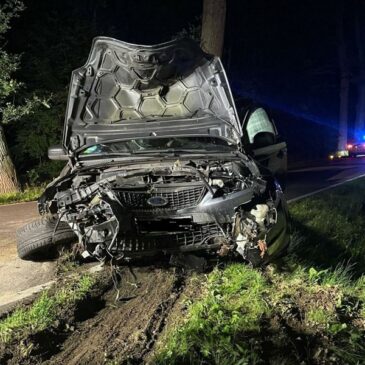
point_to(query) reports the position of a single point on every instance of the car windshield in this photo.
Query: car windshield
(160, 144)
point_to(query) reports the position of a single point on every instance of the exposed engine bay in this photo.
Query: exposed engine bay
(221, 207)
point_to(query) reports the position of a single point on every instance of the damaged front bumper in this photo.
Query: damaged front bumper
(176, 218)
(227, 225)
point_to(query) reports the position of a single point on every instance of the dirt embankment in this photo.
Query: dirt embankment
(104, 330)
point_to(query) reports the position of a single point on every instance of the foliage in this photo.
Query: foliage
(9, 87)
(308, 309)
(44, 311)
(14, 104)
(8, 63)
(9, 10)
(33, 136)
(192, 30)
(28, 194)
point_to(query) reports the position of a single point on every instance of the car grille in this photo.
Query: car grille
(178, 198)
(196, 236)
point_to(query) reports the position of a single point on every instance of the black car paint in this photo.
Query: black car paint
(89, 193)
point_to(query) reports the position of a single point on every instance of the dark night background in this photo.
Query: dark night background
(282, 54)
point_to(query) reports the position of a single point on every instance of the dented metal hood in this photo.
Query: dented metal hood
(126, 90)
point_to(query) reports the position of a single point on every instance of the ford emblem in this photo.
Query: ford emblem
(157, 201)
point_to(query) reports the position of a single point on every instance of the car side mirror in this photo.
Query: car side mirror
(57, 153)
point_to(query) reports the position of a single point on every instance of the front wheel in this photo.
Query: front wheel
(39, 240)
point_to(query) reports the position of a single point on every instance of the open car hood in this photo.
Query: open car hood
(128, 91)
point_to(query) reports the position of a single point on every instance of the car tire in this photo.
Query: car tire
(38, 240)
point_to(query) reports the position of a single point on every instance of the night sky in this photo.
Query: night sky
(282, 54)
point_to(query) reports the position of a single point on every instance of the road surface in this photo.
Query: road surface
(306, 180)
(17, 275)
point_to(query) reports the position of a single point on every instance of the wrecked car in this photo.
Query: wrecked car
(160, 162)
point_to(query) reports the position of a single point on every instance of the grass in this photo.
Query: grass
(332, 226)
(308, 309)
(28, 194)
(233, 304)
(45, 311)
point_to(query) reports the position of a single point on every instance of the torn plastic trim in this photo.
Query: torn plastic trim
(250, 231)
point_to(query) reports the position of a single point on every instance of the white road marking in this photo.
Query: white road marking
(340, 175)
(324, 168)
(324, 189)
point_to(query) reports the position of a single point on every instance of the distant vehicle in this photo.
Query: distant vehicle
(338, 154)
(160, 162)
(352, 150)
(356, 149)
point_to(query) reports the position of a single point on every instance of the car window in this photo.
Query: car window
(259, 122)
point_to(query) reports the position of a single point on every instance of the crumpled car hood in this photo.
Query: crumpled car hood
(128, 91)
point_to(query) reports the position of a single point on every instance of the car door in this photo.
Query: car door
(262, 141)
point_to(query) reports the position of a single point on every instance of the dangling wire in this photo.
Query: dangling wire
(136, 283)
(116, 278)
(56, 226)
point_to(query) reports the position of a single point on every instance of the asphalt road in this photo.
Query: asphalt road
(17, 275)
(307, 180)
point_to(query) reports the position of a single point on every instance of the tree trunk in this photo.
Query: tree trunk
(344, 83)
(360, 107)
(343, 115)
(8, 179)
(214, 18)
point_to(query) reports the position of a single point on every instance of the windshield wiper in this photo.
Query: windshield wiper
(171, 150)
(168, 151)
(107, 154)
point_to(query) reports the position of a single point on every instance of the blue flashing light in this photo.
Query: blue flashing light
(359, 136)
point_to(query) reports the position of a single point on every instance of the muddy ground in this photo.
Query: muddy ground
(110, 326)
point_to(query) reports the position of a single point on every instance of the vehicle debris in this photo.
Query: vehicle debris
(189, 262)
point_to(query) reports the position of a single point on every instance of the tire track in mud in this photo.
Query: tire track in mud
(123, 330)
